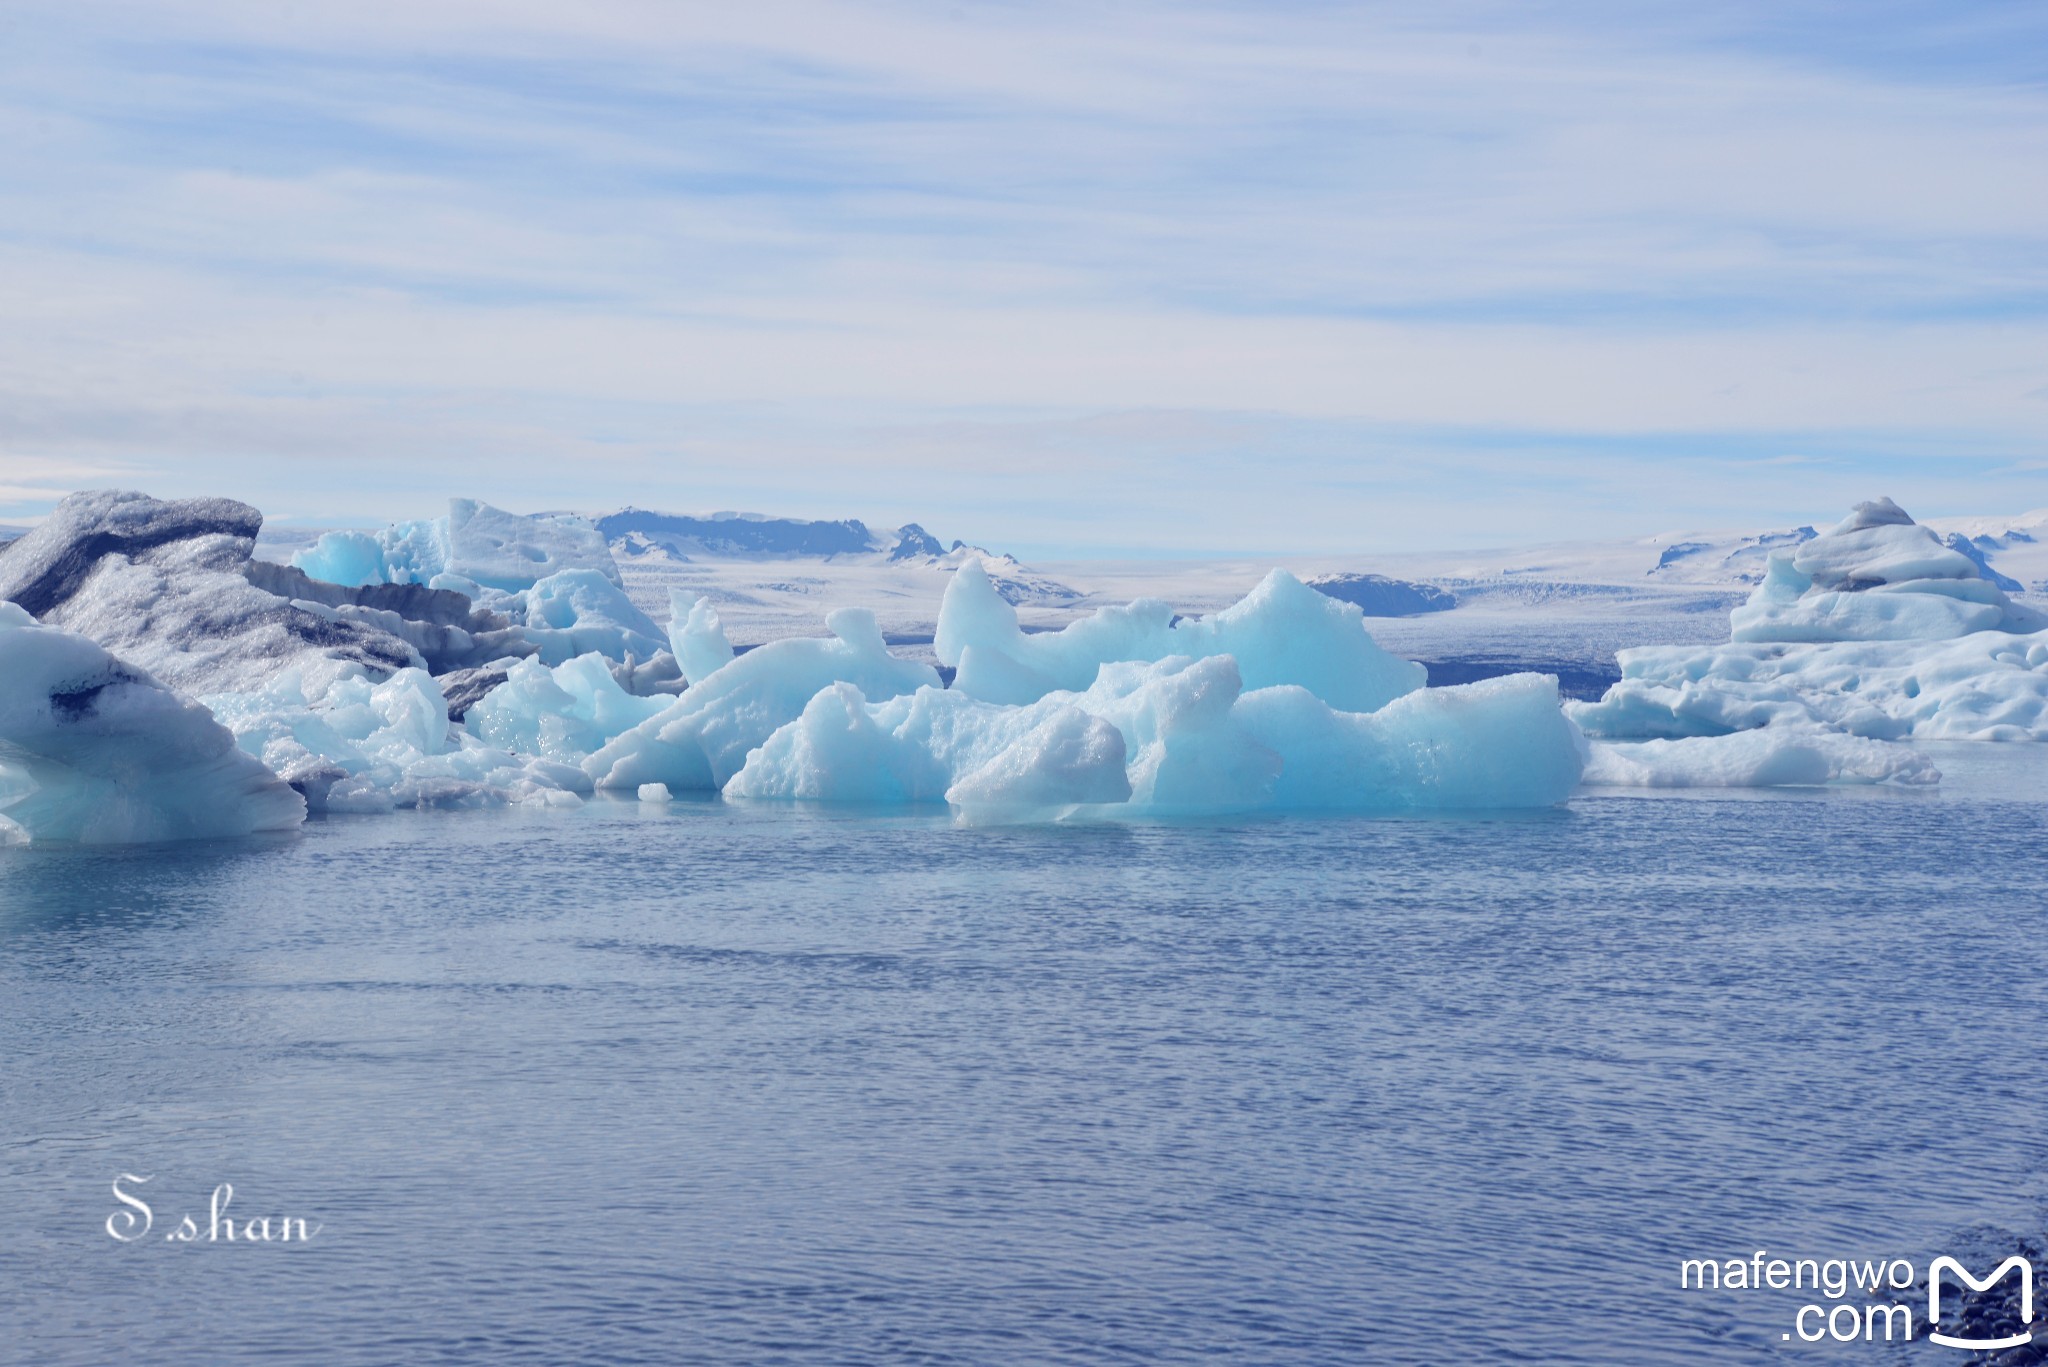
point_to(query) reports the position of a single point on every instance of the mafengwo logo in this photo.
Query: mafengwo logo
(2014, 1265)
(1964, 1310)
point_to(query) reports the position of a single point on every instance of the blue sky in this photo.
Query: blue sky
(1060, 278)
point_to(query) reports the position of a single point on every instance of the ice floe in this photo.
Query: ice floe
(1796, 756)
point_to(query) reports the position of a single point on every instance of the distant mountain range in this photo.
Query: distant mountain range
(639, 531)
(641, 537)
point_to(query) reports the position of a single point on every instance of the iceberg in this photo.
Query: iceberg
(579, 612)
(1283, 632)
(95, 751)
(563, 713)
(697, 742)
(165, 586)
(361, 745)
(554, 685)
(1878, 576)
(474, 547)
(1777, 757)
(550, 577)
(1877, 628)
(1172, 737)
(697, 637)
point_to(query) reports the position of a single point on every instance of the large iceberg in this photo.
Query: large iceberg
(1176, 736)
(96, 751)
(1878, 576)
(1162, 716)
(1877, 628)
(164, 586)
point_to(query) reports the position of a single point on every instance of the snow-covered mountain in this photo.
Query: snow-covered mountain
(640, 531)
(2013, 549)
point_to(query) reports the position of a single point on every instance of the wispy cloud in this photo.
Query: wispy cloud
(351, 257)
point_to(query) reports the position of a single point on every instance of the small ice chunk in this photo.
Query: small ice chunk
(655, 792)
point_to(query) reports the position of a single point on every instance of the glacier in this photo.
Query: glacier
(1877, 629)
(95, 751)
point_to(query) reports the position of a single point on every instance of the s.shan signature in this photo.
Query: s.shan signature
(134, 1222)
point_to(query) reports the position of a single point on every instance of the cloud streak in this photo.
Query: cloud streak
(352, 256)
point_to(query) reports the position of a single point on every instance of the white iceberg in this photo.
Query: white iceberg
(1876, 629)
(1878, 576)
(361, 745)
(1776, 757)
(95, 751)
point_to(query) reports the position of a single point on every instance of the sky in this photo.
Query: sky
(1062, 279)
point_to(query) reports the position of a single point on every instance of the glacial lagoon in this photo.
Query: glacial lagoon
(711, 1082)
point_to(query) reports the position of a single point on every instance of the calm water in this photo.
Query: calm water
(717, 1085)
